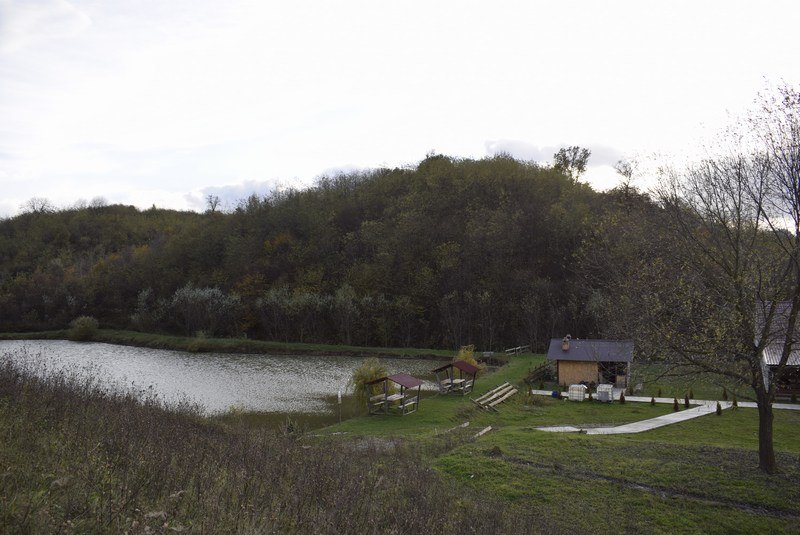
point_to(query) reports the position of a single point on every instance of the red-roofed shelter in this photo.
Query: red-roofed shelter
(387, 400)
(457, 377)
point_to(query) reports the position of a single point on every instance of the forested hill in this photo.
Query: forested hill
(493, 252)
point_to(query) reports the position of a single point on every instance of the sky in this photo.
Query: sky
(165, 102)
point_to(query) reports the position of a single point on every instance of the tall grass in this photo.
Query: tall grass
(78, 456)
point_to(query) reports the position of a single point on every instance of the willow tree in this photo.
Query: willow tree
(729, 285)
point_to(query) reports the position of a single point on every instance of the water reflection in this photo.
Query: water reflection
(217, 381)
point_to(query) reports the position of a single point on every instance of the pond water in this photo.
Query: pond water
(217, 381)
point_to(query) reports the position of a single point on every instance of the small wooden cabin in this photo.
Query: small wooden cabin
(591, 361)
(381, 398)
(456, 377)
(787, 380)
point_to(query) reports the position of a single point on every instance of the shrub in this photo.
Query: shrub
(675, 406)
(653, 402)
(198, 343)
(719, 409)
(369, 370)
(467, 354)
(622, 397)
(82, 328)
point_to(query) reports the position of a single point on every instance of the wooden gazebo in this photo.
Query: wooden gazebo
(456, 377)
(383, 402)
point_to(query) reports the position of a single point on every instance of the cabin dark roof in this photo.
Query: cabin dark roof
(777, 331)
(465, 367)
(403, 379)
(592, 350)
(780, 321)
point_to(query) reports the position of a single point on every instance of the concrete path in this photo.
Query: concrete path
(701, 408)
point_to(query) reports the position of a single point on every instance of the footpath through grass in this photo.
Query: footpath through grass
(697, 476)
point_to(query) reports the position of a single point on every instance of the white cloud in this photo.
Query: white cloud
(156, 101)
(601, 155)
(231, 195)
(33, 22)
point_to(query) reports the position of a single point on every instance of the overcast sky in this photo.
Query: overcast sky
(162, 102)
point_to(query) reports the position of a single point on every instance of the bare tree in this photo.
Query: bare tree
(212, 202)
(98, 202)
(38, 205)
(734, 277)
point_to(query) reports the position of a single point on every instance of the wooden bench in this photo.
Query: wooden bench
(407, 405)
(495, 396)
(377, 403)
(445, 386)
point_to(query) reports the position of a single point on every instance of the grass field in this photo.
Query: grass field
(75, 460)
(699, 476)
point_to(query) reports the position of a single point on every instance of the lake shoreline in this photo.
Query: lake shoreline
(234, 345)
(219, 382)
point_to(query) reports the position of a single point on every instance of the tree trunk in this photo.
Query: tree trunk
(766, 450)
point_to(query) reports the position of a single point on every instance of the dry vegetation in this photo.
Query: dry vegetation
(77, 457)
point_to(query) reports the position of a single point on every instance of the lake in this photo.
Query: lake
(217, 381)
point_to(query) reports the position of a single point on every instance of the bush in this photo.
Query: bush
(675, 406)
(198, 343)
(467, 354)
(622, 397)
(653, 402)
(719, 409)
(369, 370)
(82, 328)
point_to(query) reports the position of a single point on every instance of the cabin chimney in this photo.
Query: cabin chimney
(565, 343)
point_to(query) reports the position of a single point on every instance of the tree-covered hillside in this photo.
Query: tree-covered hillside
(493, 252)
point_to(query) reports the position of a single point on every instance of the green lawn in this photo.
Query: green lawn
(696, 476)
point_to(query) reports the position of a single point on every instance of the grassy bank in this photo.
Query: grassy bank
(231, 345)
(75, 459)
(697, 476)
(78, 459)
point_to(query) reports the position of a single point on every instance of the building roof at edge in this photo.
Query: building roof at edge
(592, 350)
